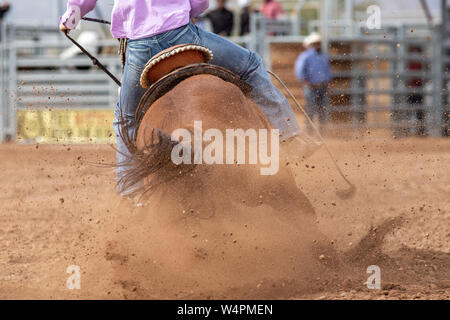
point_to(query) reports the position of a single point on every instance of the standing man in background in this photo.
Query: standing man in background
(4, 8)
(222, 19)
(244, 17)
(417, 113)
(271, 9)
(313, 70)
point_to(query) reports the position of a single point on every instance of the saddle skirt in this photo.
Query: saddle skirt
(173, 58)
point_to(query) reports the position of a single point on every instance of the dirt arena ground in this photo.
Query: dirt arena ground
(56, 207)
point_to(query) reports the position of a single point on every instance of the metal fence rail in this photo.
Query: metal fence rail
(35, 78)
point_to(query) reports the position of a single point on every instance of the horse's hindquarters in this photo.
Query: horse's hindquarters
(220, 230)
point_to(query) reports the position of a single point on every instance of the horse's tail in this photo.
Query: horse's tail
(143, 162)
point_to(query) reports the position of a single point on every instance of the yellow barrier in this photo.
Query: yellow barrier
(65, 126)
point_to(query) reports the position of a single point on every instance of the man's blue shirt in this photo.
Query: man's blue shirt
(313, 67)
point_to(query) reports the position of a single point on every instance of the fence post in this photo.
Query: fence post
(436, 110)
(2, 93)
(11, 126)
(3, 81)
(398, 67)
(266, 46)
(325, 13)
(253, 37)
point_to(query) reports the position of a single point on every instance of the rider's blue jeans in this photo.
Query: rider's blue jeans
(246, 64)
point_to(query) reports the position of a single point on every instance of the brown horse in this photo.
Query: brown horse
(209, 230)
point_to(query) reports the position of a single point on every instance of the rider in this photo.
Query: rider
(153, 26)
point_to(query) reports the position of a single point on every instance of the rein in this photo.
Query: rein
(96, 20)
(343, 194)
(94, 60)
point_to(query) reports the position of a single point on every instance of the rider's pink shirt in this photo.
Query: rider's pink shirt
(137, 19)
(271, 10)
